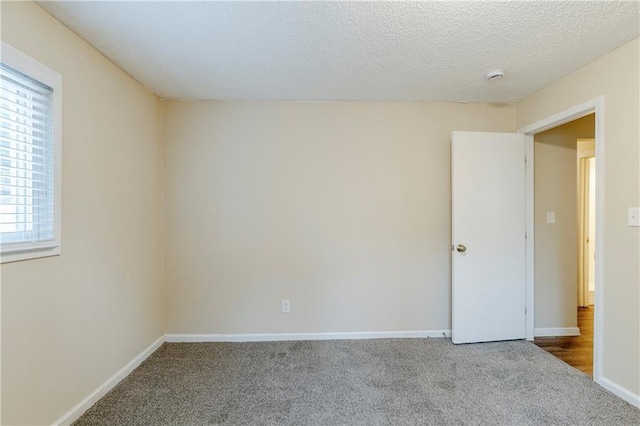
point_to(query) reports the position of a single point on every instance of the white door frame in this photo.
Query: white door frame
(594, 105)
(584, 190)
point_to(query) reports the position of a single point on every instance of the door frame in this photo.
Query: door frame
(594, 105)
(584, 212)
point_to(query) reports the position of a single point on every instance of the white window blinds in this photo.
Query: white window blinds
(26, 159)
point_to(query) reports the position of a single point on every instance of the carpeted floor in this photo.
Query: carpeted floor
(357, 382)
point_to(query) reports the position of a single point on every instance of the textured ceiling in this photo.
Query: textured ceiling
(411, 51)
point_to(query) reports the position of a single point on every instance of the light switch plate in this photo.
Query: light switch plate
(633, 216)
(551, 218)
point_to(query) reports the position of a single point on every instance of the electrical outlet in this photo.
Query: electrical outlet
(286, 306)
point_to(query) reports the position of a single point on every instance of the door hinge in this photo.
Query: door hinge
(525, 160)
(525, 236)
(525, 310)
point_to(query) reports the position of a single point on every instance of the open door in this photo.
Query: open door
(488, 237)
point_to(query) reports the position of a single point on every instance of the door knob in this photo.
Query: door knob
(461, 248)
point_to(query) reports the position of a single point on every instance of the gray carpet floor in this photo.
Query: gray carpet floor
(357, 382)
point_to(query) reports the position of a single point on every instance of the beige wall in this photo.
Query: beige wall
(556, 245)
(70, 322)
(342, 208)
(616, 76)
(587, 145)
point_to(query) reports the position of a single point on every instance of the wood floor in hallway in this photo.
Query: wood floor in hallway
(576, 351)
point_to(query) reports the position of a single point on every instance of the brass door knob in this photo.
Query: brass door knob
(461, 248)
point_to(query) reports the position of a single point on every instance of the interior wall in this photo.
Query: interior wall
(341, 208)
(621, 246)
(586, 146)
(70, 322)
(556, 245)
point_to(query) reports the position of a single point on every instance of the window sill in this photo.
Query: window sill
(30, 252)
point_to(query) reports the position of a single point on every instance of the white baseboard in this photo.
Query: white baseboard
(280, 337)
(556, 331)
(75, 413)
(619, 391)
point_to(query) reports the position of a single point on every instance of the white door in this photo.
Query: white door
(488, 236)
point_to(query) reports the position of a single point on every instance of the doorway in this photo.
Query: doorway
(586, 166)
(564, 320)
(549, 219)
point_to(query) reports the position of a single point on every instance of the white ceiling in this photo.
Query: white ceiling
(409, 51)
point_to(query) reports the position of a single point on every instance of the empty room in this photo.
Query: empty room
(319, 213)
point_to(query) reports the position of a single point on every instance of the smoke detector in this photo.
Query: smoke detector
(495, 75)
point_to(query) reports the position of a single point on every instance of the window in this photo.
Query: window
(30, 190)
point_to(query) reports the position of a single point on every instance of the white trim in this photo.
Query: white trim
(529, 230)
(281, 337)
(582, 220)
(599, 284)
(564, 117)
(556, 331)
(24, 251)
(594, 105)
(583, 173)
(75, 413)
(619, 391)
(33, 68)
